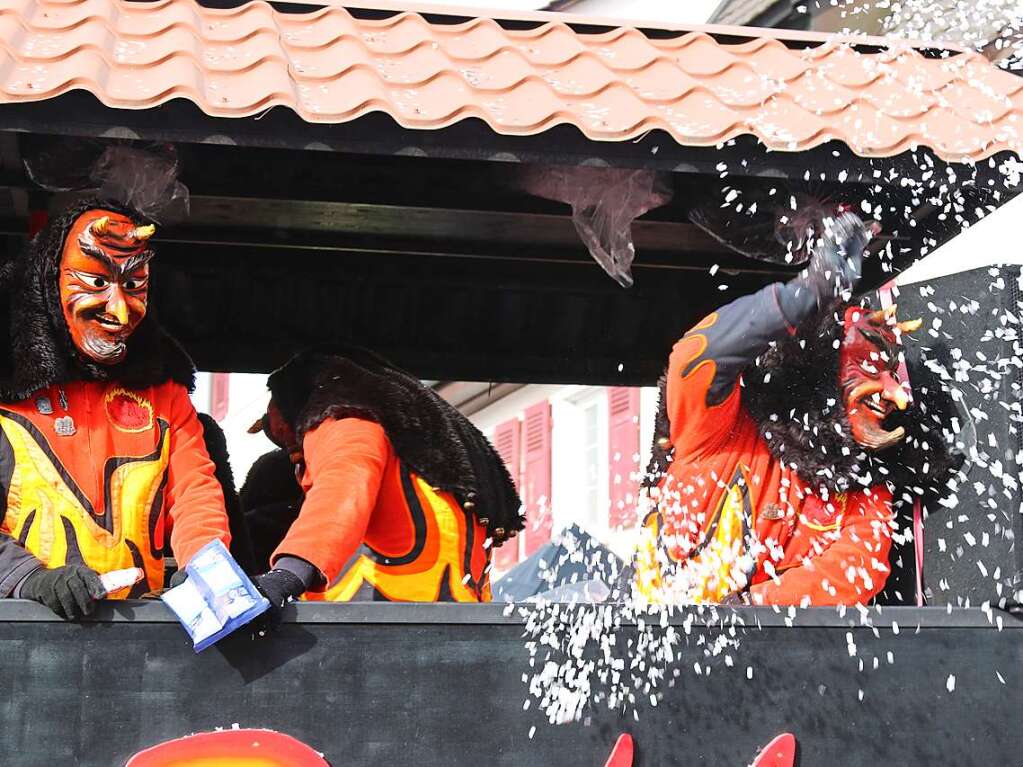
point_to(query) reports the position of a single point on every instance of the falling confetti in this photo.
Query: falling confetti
(625, 655)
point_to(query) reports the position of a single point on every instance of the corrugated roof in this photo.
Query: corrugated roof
(330, 66)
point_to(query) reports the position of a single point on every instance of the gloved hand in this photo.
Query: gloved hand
(736, 599)
(834, 269)
(279, 587)
(179, 577)
(70, 591)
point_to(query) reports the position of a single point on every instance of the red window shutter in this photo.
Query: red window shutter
(507, 442)
(536, 476)
(623, 454)
(219, 387)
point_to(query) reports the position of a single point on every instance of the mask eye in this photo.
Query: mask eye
(135, 283)
(95, 281)
(869, 368)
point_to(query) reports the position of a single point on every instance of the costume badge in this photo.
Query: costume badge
(773, 512)
(44, 406)
(128, 411)
(65, 426)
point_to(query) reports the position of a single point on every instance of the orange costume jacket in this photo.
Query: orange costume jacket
(730, 516)
(120, 471)
(421, 546)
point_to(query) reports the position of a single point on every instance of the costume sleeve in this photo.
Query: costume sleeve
(705, 365)
(852, 570)
(15, 563)
(195, 501)
(344, 466)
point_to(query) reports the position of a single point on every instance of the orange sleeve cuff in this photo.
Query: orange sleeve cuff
(344, 466)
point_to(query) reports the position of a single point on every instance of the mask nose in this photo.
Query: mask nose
(894, 392)
(116, 306)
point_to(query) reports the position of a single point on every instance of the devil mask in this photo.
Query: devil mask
(104, 283)
(868, 373)
(822, 398)
(61, 317)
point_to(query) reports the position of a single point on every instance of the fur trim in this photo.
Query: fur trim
(40, 350)
(428, 434)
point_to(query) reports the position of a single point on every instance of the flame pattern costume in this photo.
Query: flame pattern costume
(731, 515)
(775, 441)
(100, 463)
(389, 470)
(420, 544)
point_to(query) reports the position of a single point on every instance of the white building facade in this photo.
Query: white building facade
(577, 454)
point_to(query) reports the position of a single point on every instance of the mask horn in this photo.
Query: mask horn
(877, 318)
(142, 233)
(100, 226)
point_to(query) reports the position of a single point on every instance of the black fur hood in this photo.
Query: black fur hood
(39, 350)
(435, 440)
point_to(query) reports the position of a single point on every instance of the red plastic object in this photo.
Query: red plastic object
(780, 752)
(621, 754)
(230, 747)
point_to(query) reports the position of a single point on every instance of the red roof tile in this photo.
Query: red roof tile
(331, 67)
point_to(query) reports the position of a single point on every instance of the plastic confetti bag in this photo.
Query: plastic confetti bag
(605, 202)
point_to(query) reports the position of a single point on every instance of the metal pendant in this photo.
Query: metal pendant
(65, 426)
(44, 406)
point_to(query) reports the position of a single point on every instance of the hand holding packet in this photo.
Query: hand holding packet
(216, 598)
(115, 580)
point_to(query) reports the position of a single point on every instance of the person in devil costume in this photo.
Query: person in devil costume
(101, 453)
(769, 466)
(383, 463)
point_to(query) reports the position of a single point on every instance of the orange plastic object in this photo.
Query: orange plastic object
(230, 748)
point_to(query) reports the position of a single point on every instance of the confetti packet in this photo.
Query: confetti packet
(216, 598)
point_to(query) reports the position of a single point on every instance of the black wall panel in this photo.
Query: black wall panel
(441, 685)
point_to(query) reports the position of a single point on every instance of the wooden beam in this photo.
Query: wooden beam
(496, 227)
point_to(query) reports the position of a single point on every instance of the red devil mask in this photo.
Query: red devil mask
(104, 283)
(868, 374)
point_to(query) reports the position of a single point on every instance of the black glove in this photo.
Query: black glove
(280, 587)
(70, 591)
(736, 599)
(834, 269)
(179, 577)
